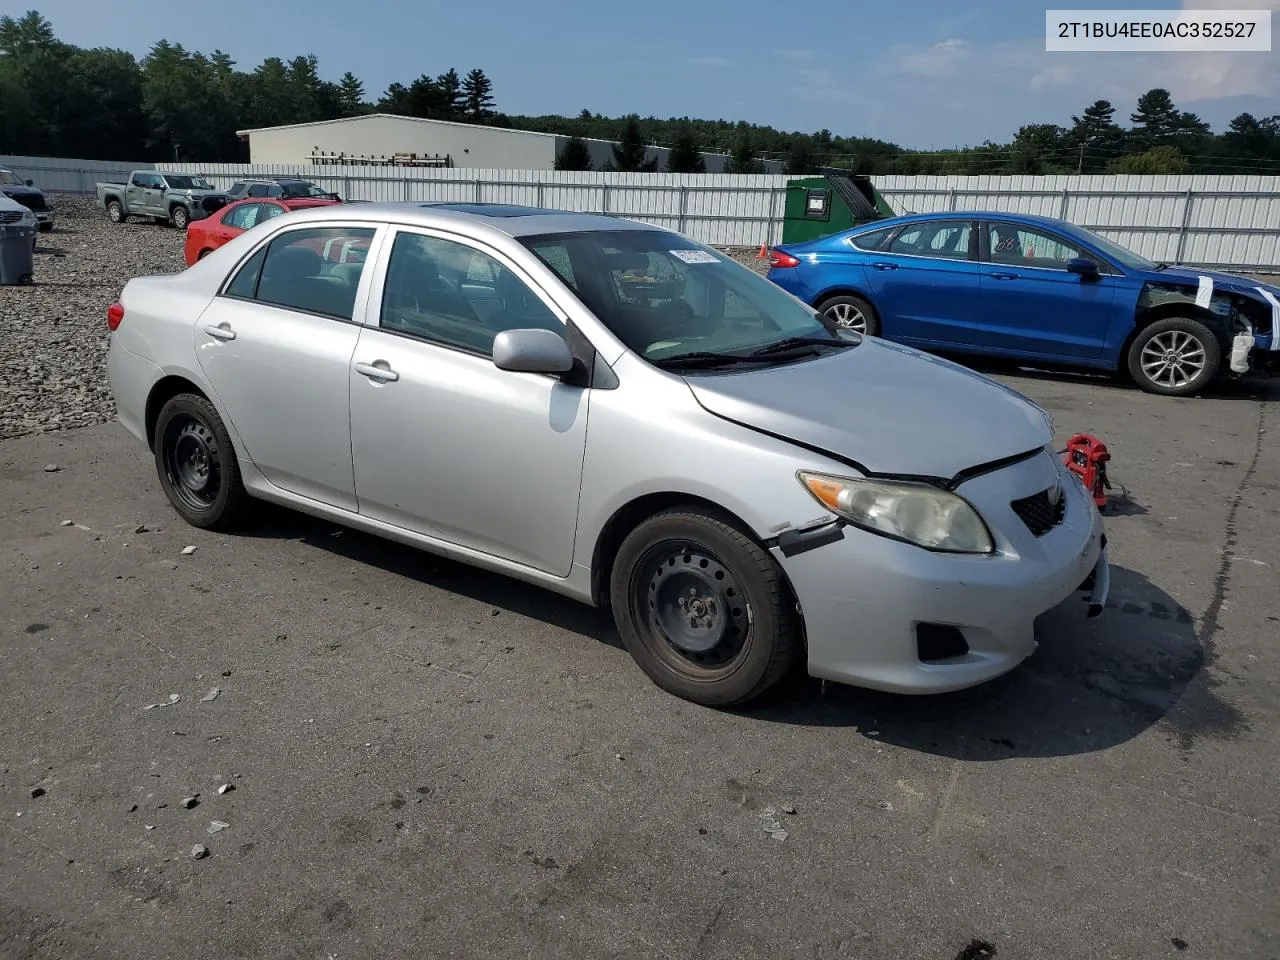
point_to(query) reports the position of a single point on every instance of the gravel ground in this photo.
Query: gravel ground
(53, 355)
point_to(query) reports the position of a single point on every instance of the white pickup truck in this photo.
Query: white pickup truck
(170, 197)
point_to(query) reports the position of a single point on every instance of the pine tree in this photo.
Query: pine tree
(350, 95)
(629, 152)
(742, 159)
(477, 94)
(684, 156)
(575, 155)
(1156, 120)
(1096, 137)
(451, 98)
(801, 159)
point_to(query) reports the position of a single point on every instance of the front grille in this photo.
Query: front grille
(34, 202)
(10, 216)
(1039, 513)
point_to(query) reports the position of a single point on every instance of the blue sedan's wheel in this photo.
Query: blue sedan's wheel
(1175, 357)
(851, 313)
(703, 608)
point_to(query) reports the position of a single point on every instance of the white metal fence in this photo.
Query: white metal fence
(1225, 221)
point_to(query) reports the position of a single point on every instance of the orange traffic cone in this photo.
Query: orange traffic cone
(764, 253)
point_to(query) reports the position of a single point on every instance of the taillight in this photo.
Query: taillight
(779, 259)
(115, 313)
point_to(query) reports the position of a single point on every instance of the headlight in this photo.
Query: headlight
(915, 512)
(28, 218)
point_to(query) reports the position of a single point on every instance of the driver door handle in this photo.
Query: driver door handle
(222, 331)
(378, 370)
(1003, 275)
(885, 266)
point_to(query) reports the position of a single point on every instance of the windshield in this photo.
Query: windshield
(186, 183)
(668, 298)
(301, 190)
(1122, 255)
(9, 178)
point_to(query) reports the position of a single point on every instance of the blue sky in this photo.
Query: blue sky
(923, 73)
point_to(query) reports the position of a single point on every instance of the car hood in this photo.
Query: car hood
(16, 192)
(887, 408)
(1231, 282)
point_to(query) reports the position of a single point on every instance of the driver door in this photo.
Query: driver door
(443, 442)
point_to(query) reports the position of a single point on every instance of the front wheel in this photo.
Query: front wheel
(179, 217)
(703, 608)
(197, 464)
(1174, 357)
(851, 313)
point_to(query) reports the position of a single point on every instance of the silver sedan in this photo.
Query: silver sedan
(622, 415)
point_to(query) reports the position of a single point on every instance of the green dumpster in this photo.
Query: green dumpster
(820, 206)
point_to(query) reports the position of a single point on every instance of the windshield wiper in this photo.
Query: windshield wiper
(700, 358)
(793, 343)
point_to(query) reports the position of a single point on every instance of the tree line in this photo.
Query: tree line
(57, 99)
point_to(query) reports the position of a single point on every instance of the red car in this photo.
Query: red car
(205, 236)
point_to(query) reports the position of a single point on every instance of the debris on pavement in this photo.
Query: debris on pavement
(771, 825)
(51, 468)
(884, 805)
(190, 802)
(199, 851)
(188, 550)
(211, 695)
(226, 788)
(216, 826)
(173, 698)
(149, 826)
(37, 792)
(789, 808)
(617, 756)
(68, 523)
(133, 808)
(142, 528)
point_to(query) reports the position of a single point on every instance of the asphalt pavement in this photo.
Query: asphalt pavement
(430, 761)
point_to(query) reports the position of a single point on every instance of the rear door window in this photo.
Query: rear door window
(947, 239)
(293, 271)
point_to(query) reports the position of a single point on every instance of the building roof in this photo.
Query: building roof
(391, 116)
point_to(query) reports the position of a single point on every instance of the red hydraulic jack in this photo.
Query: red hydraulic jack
(1086, 456)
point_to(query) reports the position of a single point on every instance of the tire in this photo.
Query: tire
(180, 216)
(204, 253)
(851, 312)
(748, 634)
(197, 464)
(1182, 337)
(46, 227)
(115, 212)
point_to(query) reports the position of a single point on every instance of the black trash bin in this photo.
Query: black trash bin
(17, 242)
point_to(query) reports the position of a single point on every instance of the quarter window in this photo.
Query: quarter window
(294, 271)
(456, 295)
(934, 238)
(874, 240)
(1026, 247)
(244, 216)
(259, 190)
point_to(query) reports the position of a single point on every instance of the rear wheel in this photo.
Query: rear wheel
(204, 253)
(115, 212)
(703, 608)
(1175, 357)
(197, 464)
(852, 313)
(179, 217)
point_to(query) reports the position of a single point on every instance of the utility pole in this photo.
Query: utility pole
(1080, 164)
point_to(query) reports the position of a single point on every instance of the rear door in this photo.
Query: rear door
(925, 282)
(1031, 304)
(137, 193)
(276, 346)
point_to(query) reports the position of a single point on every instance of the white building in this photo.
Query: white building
(382, 137)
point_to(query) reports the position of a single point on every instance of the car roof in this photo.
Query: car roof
(1025, 218)
(510, 219)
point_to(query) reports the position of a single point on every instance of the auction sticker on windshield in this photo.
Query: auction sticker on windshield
(693, 256)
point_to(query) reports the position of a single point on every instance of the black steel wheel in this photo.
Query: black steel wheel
(703, 608)
(197, 464)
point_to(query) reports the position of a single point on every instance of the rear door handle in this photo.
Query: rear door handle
(1004, 276)
(378, 370)
(885, 266)
(220, 332)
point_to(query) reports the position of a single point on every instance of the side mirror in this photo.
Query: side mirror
(1087, 269)
(531, 351)
(31, 183)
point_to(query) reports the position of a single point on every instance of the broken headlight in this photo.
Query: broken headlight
(914, 512)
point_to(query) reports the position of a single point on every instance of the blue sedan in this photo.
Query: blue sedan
(1035, 289)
